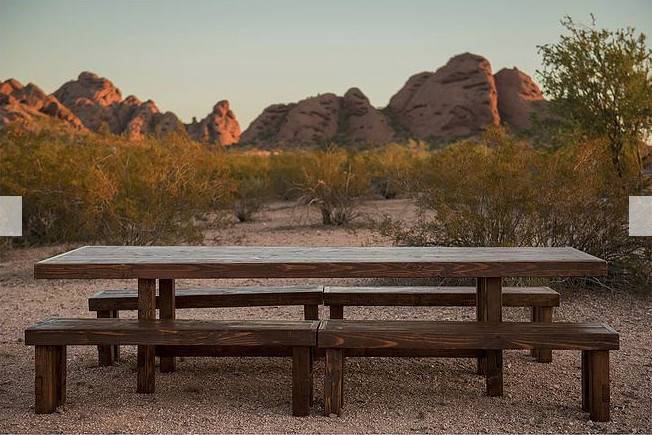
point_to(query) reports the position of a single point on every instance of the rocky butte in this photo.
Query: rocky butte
(327, 117)
(460, 99)
(94, 103)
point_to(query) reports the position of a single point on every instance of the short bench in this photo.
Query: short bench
(541, 300)
(109, 303)
(594, 340)
(51, 337)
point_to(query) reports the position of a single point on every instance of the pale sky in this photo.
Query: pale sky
(187, 55)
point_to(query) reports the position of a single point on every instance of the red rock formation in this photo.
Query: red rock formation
(28, 104)
(264, 129)
(220, 126)
(320, 119)
(97, 102)
(457, 100)
(364, 123)
(519, 98)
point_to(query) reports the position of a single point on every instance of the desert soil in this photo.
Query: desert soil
(253, 394)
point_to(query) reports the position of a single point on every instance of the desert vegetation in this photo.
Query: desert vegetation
(565, 183)
(493, 190)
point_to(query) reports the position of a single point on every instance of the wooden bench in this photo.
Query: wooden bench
(594, 340)
(541, 300)
(51, 337)
(109, 303)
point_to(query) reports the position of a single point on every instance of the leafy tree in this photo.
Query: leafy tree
(600, 84)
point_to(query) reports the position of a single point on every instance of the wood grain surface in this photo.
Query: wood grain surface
(454, 296)
(127, 299)
(370, 334)
(315, 262)
(172, 332)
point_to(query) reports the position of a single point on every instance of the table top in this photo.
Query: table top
(175, 262)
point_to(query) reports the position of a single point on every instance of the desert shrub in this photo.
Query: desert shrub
(285, 172)
(102, 188)
(499, 192)
(333, 181)
(249, 183)
(391, 168)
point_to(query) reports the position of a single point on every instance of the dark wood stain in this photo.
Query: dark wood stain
(370, 334)
(127, 299)
(318, 262)
(172, 332)
(454, 296)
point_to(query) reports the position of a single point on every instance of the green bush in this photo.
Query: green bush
(250, 183)
(333, 181)
(105, 189)
(285, 172)
(391, 168)
(499, 192)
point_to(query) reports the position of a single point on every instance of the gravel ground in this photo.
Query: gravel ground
(253, 394)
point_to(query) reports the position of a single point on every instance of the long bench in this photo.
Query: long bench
(541, 301)
(51, 337)
(109, 303)
(335, 337)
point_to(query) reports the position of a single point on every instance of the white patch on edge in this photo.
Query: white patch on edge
(640, 216)
(11, 216)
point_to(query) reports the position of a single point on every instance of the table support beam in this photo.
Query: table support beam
(493, 312)
(166, 291)
(146, 311)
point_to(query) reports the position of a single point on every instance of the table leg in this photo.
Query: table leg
(494, 313)
(166, 309)
(146, 310)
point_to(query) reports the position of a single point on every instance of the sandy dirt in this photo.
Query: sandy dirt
(253, 394)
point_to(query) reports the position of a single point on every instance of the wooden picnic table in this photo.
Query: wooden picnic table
(148, 264)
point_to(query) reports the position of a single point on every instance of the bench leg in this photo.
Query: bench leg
(599, 393)
(586, 381)
(480, 315)
(301, 381)
(544, 315)
(534, 317)
(167, 311)
(336, 311)
(333, 382)
(62, 369)
(146, 310)
(311, 312)
(494, 358)
(49, 378)
(115, 314)
(105, 353)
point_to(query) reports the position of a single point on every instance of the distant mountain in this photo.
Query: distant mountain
(25, 104)
(93, 103)
(458, 100)
(326, 117)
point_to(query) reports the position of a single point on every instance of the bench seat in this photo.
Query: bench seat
(109, 303)
(453, 296)
(51, 337)
(541, 301)
(127, 299)
(336, 337)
